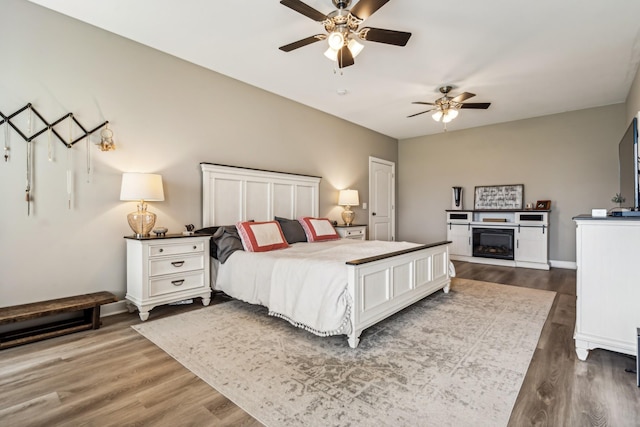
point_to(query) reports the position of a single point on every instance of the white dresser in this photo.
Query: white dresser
(608, 284)
(162, 270)
(355, 232)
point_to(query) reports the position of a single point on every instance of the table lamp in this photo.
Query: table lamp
(348, 198)
(141, 187)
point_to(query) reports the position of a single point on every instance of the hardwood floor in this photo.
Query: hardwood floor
(114, 376)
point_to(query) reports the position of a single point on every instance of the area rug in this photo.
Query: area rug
(454, 359)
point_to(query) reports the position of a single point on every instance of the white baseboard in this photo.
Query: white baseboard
(570, 265)
(114, 308)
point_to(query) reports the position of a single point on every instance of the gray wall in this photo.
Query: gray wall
(570, 159)
(167, 116)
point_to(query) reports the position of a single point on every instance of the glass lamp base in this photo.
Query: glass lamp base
(141, 221)
(348, 215)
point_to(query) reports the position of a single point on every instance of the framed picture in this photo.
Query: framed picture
(498, 197)
(543, 205)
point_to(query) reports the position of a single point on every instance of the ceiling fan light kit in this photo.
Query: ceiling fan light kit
(343, 29)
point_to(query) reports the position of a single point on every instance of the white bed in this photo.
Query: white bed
(347, 286)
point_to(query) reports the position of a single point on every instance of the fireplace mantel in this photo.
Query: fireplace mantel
(530, 231)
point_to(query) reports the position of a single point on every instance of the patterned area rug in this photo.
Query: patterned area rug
(452, 359)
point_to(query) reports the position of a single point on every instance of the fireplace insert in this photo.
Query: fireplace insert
(493, 243)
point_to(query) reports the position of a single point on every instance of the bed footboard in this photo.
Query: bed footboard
(381, 286)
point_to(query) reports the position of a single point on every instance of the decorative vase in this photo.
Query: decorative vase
(456, 198)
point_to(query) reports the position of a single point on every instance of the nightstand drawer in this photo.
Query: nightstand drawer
(357, 232)
(175, 264)
(176, 283)
(176, 248)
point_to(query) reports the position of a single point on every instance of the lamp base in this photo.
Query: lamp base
(348, 215)
(141, 221)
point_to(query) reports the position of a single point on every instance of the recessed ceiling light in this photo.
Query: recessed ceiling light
(342, 91)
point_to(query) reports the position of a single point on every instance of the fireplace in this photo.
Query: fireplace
(493, 243)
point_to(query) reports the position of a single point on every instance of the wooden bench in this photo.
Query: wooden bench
(88, 303)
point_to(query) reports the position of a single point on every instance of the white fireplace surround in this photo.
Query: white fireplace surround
(530, 229)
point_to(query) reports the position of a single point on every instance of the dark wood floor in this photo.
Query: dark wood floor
(114, 376)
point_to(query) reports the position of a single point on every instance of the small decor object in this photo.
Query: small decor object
(618, 199)
(348, 198)
(543, 205)
(498, 197)
(160, 231)
(189, 228)
(456, 198)
(106, 139)
(141, 187)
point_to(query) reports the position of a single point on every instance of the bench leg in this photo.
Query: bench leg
(92, 316)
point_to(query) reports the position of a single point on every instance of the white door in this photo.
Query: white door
(382, 183)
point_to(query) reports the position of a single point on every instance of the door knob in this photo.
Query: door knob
(373, 213)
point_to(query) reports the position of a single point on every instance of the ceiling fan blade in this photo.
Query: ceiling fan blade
(417, 114)
(463, 96)
(301, 43)
(397, 38)
(366, 8)
(345, 58)
(423, 103)
(304, 9)
(477, 105)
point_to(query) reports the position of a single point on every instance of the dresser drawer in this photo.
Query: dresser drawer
(175, 248)
(176, 283)
(175, 264)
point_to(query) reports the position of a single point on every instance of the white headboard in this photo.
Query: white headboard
(231, 194)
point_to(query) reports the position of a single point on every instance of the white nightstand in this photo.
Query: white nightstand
(166, 269)
(355, 232)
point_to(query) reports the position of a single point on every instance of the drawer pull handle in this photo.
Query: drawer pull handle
(177, 263)
(160, 250)
(177, 282)
(195, 247)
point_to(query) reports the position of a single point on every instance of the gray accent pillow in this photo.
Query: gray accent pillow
(292, 230)
(227, 241)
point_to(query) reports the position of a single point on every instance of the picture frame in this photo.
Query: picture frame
(498, 197)
(542, 205)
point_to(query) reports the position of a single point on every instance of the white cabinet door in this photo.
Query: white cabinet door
(531, 244)
(460, 237)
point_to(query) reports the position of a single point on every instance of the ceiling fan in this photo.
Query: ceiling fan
(446, 108)
(343, 29)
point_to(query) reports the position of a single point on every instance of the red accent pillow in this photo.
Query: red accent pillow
(261, 236)
(318, 229)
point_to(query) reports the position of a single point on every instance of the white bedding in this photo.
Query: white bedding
(305, 283)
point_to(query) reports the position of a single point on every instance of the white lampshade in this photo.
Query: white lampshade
(437, 115)
(141, 186)
(355, 47)
(348, 198)
(336, 40)
(332, 54)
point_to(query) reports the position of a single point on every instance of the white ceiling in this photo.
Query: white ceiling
(528, 58)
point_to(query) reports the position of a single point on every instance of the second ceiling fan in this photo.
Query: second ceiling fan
(446, 107)
(343, 29)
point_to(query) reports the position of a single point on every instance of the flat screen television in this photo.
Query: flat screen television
(628, 158)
